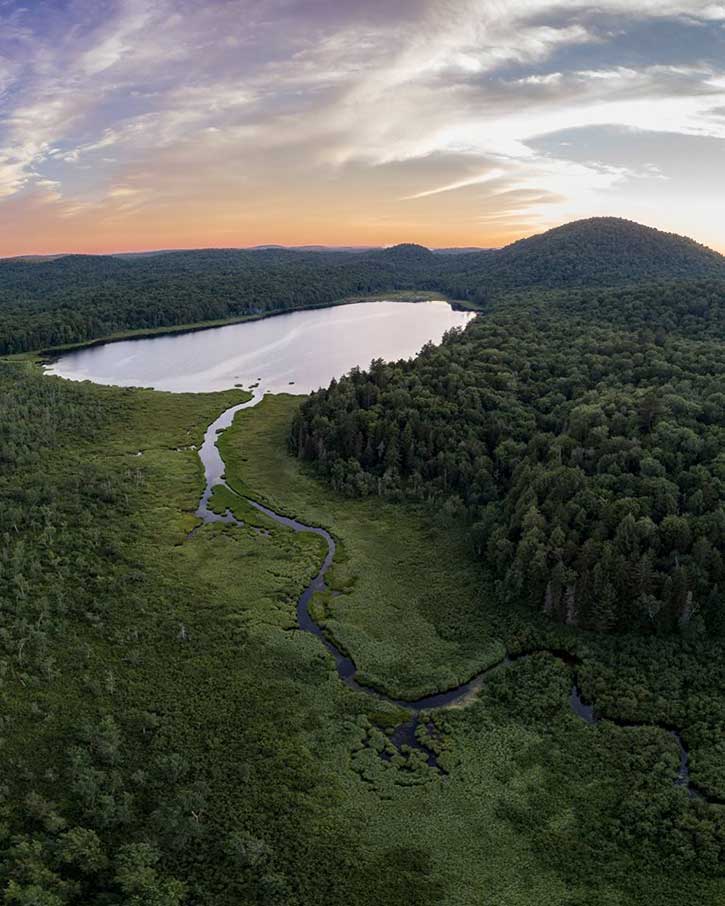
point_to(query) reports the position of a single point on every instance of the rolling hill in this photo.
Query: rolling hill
(600, 251)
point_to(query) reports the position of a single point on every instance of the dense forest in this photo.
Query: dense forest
(601, 251)
(78, 298)
(168, 737)
(167, 740)
(64, 521)
(578, 434)
(75, 298)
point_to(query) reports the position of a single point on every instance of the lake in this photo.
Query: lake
(295, 352)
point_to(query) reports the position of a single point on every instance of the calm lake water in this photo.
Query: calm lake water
(308, 348)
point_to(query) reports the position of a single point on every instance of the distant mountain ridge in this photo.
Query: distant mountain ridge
(589, 249)
(351, 249)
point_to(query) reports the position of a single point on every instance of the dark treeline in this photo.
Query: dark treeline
(579, 434)
(76, 298)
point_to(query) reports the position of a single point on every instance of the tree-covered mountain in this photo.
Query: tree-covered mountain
(600, 251)
(74, 298)
(580, 435)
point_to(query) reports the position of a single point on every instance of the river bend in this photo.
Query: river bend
(405, 733)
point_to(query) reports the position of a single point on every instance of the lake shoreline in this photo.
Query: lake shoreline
(280, 352)
(48, 355)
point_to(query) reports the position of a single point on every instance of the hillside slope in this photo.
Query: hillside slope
(600, 251)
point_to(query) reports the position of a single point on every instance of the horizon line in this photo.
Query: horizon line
(350, 247)
(311, 246)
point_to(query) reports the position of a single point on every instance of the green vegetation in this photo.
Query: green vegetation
(160, 718)
(169, 737)
(579, 437)
(72, 299)
(413, 630)
(573, 792)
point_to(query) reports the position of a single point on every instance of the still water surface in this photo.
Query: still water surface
(295, 352)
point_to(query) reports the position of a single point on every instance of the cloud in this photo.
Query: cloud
(459, 184)
(261, 115)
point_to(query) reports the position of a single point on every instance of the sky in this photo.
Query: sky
(142, 124)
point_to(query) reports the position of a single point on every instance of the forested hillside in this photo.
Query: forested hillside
(601, 251)
(580, 435)
(78, 298)
(75, 298)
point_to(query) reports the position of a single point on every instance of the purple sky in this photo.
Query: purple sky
(130, 124)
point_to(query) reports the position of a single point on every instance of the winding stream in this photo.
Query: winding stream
(405, 734)
(270, 353)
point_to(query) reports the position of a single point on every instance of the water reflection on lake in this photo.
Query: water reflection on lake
(307, 348)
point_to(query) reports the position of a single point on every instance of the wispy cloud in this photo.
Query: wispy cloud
(161, 122)
(459, 184)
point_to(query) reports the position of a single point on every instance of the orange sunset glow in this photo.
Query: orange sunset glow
(149, 124)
